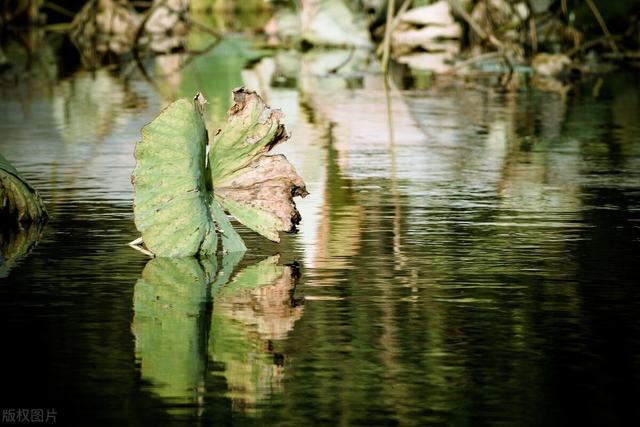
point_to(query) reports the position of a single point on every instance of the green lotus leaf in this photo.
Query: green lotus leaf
(171, 207)
(256, 188)
(231, 241)
(175, 208)
(19, 202)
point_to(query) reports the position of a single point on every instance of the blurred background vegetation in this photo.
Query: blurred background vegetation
(494, 279)
(434, 35)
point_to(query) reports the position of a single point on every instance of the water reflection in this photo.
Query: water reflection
(90, 106)
(170, 327)
(214, 70)
(467, 250)
(16, 243)
(250, 314)
(177, 332)
(472, 260)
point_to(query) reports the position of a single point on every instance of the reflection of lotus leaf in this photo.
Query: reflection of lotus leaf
(19, 202)
(89, 105)
(252, 277)
(332, 23)
(16, 244)
(171, 326)
(255, 308)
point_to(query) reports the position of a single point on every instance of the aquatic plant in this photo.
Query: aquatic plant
(19, 202)
(181, 191)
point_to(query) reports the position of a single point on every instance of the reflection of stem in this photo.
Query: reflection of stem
(388, 341)
(143, 23)
(533, 33)
(143, 71)
(391, 133)
(94, 36)
(476, 59)
(588, 44)
(397, 229)
(203, 27)
(136, 41)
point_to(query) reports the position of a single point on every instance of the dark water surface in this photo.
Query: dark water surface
(467, 256)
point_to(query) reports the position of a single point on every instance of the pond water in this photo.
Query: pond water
(467, 255)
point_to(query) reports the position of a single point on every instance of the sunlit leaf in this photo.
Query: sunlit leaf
(175, 209)
(256, 188)
(171, 200)
(231, 240)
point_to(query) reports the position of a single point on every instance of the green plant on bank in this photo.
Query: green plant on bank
(181, 192)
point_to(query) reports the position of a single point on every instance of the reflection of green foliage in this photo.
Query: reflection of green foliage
(249, 369)
(89, 105)
(217, 72)
(33, 55)
(16, 244)
(230, 15)
(169, 325)
(263, 273)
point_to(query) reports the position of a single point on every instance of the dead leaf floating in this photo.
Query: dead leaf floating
(179, 198)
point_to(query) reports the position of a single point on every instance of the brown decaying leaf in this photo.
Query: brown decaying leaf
(256, 188)
(268, 184)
